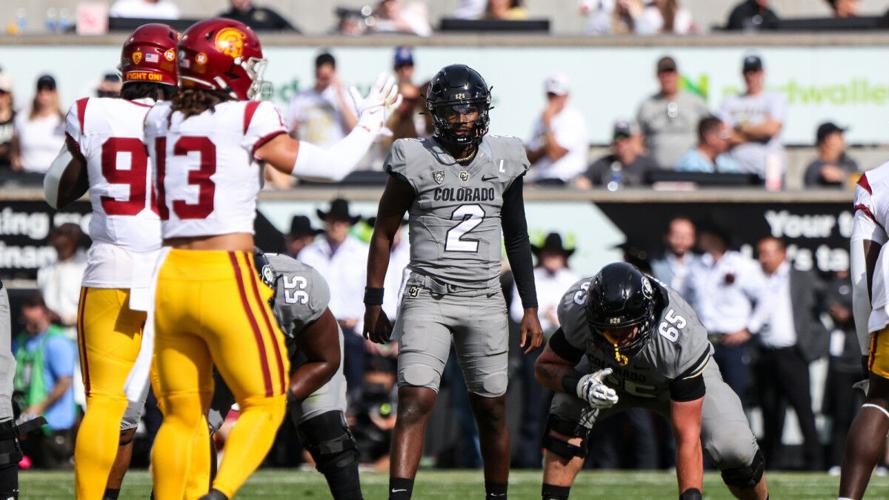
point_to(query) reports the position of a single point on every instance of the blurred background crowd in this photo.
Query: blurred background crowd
(784, 337)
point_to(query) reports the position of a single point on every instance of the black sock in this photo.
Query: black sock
(111, 494)
(553, 492)
(400, 488)
(9, 481)
(495, 491)
(344, 483)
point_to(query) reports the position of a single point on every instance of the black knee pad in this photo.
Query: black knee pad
(329, 441)
(746, 477)
(559, 446)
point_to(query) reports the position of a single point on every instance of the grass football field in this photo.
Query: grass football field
(468, 485)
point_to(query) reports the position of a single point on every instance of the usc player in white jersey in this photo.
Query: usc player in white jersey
(104, 153)
(210, 307)
(870, 300)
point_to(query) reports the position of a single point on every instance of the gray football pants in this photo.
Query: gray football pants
(7, 360)
(725, 432)
(474, 320)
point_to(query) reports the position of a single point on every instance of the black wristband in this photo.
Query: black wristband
(570, 381)
(691, 494)
(373, 296)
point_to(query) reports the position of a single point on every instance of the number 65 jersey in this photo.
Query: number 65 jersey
(124, 223)
(455, 232)
(677, 348)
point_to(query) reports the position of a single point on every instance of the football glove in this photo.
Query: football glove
(382, 98)
(591, 389)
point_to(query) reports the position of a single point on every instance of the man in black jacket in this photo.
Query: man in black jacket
(258, 18)
(752, 15)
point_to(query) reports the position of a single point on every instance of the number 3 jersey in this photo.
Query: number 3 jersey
(205, 171)
(124, 226)
(677, 348)
(455, 232)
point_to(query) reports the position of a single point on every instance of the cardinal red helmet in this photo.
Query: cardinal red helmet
(222, 54)
(149, 55)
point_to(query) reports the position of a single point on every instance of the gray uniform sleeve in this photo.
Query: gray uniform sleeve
(301, 294)
(516, 162)
(681, 343)
(396, 162)
(572, 316)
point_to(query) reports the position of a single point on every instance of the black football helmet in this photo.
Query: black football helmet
(453, 90)
(620, 296)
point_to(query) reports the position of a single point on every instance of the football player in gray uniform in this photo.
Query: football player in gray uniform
(10, 454)
(461, 189)
(644, 347)
(317, 401)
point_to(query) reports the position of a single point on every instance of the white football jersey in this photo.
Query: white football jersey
(205, 171)
(872, 199)
(125, 227)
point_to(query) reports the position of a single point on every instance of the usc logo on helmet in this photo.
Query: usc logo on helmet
(231, 42)
(137, 57)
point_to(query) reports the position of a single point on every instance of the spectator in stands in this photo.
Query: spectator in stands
(752, 15)
(832, 167)
(790, 335)
(59, 282)
(301, 235)
(324, 113)
(43, 384)
(506, 10)
(710, 153)
(395, 16)
(7, 121)
(756, 118)
(678, 257)
(844, 8)
(409, 119)
(40, 133)
(626, 166)
(559, 144)
(403, 64)
(342, 261)
(144, 9)
(258, 18)
(600, 15)
(723, 286)
(841, 401)
(470, 9)
(552, 278)
(109, 85)
(662, 16)
(668, 118)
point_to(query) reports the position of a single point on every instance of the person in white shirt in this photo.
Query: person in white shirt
(322, 114)
(40, 133)
(559, 144)
(673, 267)
(790, 335)
(723, 286)
(144, 9)
(756, 118)
(342, 260)
(59, 283)
(552, 277)
(395, 16)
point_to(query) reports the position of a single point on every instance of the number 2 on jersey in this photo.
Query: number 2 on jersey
(470, 216)
(201, 177)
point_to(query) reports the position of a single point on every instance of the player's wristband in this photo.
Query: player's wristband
(373, 296)
(691, 494)
(570, 381)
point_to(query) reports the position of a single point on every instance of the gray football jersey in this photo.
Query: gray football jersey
(678, 346)
(454, 225)
(301, 294)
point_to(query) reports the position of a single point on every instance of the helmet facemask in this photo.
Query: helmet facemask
(255, 69)
(606, 341)
(450, 129)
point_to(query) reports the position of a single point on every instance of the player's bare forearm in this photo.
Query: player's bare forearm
(550, 370)
(319, 342)
(74, 182)
(396, 199)
(686, 420)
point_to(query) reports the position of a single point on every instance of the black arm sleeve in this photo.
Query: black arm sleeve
(560, 345)
(518, 248)
(687, 389)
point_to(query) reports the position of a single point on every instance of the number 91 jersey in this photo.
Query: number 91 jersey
(455, 232)
(108, 133)
(205, 172)
(678, 346)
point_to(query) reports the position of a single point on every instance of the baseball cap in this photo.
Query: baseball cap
(825, 129)
(752, 63)
(557, 84)
(5, 83)
(403, 56)
(623, 129)
(46, 82)
(665, 64)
